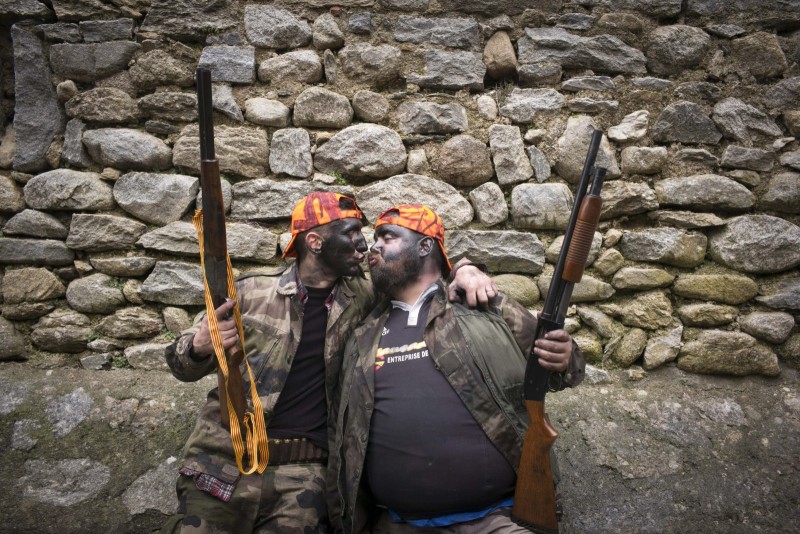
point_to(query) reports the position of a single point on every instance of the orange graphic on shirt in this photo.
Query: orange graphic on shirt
(386, 354)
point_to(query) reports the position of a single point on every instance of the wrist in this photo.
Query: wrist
(194, 355)
(463, 263)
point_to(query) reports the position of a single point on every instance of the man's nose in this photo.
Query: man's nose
(376, 247)
(361, 244)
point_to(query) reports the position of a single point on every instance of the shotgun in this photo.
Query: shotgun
(534, 497)
(215, 248)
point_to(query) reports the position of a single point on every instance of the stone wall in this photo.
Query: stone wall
(482, 110)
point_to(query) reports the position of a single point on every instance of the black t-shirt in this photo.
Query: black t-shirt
(427, 455)
(301, 410)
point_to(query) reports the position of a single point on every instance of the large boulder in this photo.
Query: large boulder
(511, 163)
(175, 284)
(601, 53)
(454, 209)
(377, 66)
(431, 118)
(103, 232)
(62, 331)
(670, 246)
(541, 206)
(685, 122)
(269, 26)
(187, 20)
(573, 146)
(673, 49)
(156, 198)
(125, 148)
(450, 71)
(317, 107)
(35, 252)
(756, 244)
(160, 67)
(626, 198)
(64, 189)
(234, 64)
(269, 200)
(464, 162)
(290, 153)
(35, 224)
(363, 152)
(97, 293)
(507, 252)
(451, 32)
(727, 288)
(240, 150)
(103, 105)
(708, 192)
(303, 66)
(89, 62)
(732, 353)
(38, 117)
(31, 284)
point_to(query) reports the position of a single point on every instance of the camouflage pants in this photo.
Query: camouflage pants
(285, 499)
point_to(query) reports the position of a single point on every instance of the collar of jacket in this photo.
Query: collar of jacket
(375, 320)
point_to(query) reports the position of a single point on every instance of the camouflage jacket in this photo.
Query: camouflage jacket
(480, 354)
(272, 322)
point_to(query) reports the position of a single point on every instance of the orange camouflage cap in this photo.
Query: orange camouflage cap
(420, 219)
(318, 208)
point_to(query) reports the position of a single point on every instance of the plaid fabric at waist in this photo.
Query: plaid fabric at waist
(295, 451)
(281, 452)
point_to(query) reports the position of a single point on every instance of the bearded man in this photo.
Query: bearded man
(431, 420)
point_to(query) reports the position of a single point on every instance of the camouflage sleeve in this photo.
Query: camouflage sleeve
(182, 362)
(523, 326)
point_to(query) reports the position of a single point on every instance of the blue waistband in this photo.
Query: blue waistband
(452, 519)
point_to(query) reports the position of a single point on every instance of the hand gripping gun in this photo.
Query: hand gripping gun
(534, 497)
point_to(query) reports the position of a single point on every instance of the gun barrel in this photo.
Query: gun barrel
(205, 110)
(552, 304)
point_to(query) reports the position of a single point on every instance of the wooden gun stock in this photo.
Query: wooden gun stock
(215, 247)
(534, 497)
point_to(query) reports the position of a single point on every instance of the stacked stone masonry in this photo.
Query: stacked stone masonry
(482, 110)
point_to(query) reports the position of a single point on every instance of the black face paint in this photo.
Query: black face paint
(399, 263)
(343, 247)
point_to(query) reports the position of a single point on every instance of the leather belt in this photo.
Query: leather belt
(295, 451)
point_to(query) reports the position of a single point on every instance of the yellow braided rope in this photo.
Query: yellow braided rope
(255, 428)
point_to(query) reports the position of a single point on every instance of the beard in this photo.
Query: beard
(394, 272)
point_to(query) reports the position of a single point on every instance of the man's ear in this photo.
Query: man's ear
(425, 246)
(314, 242)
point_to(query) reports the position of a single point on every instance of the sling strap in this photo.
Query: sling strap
(255, 438)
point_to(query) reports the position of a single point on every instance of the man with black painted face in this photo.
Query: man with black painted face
(431, 421)
(296, 321)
